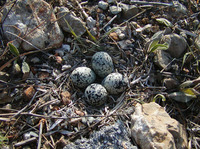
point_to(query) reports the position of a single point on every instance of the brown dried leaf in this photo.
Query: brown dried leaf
(80, 113)
(29, 92)
(66, 97)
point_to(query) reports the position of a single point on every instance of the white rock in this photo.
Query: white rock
(115, 9)
(95, 94)
(66, 67)
(152, 127)
(35, 22)
(82, 77)
(115, 83)
(103, 5)
(77, 24)
(102, 64)
(122, 36)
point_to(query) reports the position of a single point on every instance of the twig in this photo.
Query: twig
(25, 106)
(83, 11)
(109, 22)
(152, 3)
(25, 142)
(40, 134)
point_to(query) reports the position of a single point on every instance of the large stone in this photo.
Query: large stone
(153, 128)
(35, 22)
(177, 44)
(76, 24)
(109, 137)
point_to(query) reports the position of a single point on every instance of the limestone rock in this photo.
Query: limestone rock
(110, 137)
(152, 127)
(177, 44)
(77, 24)
(33, 21)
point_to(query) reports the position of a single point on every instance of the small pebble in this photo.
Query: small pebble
(103, 5)
(66, 67)
(115, 10)
(66, 47)
(91, 22)
(35, 60)
(111, 1)
(121, 36)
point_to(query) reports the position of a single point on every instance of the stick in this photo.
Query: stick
(40, 134)
(25, 142)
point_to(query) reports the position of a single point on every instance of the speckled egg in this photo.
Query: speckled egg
(115, 83)
(95, 94)
(102, 64)
(82, 77)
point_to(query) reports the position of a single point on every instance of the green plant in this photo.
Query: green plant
(3, 140)
(155, 45)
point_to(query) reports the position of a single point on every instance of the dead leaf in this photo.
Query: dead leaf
(66, 97)
(29, 92)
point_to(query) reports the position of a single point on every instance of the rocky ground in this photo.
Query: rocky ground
(152, 47)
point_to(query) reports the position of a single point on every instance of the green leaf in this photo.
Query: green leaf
(13, 49)
(190, 91)
(165, 22)
(159, 96)
(185, 57)
(91, 36)
(186, 84)
(155, 46)
(181, 97)
(25, 67)
(70, 28)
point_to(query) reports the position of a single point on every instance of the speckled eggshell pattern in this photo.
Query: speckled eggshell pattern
(115, 83)
(95, 94)
(82, 77)
(102, 64)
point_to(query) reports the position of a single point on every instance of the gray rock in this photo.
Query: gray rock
(91, 22)
(177, 44)
(111, 1)
(103, 5)
(77, 24)
(170, 83)
(162, 59)
(35, 22)
(152, 127)
(115, 9)
(109, 137)
(128, 11)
